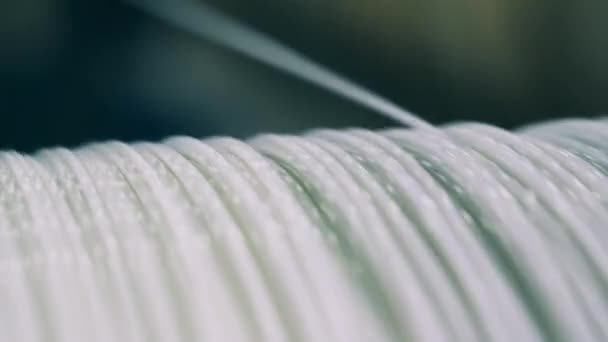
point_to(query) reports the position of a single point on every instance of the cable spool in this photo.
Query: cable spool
(461, 233)
(466, 233)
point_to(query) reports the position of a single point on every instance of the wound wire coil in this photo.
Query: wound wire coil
(461, 233)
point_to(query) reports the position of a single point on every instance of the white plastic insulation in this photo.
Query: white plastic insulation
(463, 233)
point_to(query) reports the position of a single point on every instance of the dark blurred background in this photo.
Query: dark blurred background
(74, 71)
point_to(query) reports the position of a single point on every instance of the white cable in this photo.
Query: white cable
(468, 233)
(204, 21)
(463, 233)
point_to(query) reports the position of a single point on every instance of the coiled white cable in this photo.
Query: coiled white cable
(468, 233)
(463, 233)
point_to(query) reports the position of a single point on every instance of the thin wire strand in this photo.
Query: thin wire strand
(206, 22)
